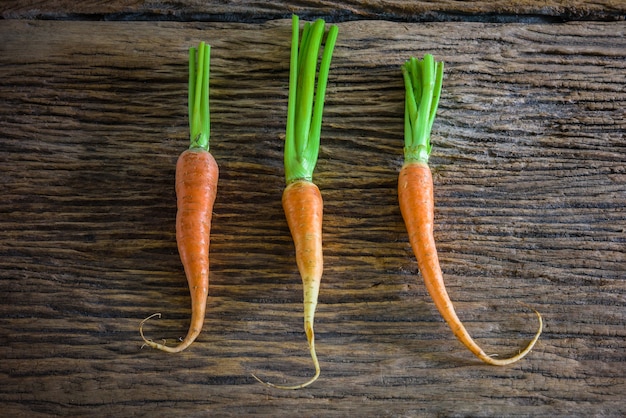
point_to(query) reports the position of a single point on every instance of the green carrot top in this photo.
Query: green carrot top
(422, 82)
(199, 117)
(306, 104)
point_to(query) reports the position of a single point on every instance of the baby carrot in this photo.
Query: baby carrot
(196, 187)
(302, 201)
(423, 81)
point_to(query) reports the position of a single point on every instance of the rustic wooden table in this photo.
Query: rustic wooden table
(529, 167)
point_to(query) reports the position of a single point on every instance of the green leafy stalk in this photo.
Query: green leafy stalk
(198, 97)
(422, 82)
(306, 99)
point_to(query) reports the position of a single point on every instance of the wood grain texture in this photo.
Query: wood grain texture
(530, 189)
(259, 11)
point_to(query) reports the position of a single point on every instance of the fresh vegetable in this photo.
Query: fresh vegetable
(196, 186)
(302, 201)
(423, 80)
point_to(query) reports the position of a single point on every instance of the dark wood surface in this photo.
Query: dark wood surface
(530, 190)
(257, 11)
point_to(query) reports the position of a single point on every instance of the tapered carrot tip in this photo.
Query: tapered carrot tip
(310, 335)
(148, 342)
(503, 362)
(184, 343)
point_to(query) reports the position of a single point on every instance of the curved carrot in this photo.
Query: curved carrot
(302, 201)
(303, 206)
(415, 194)
(196, 187)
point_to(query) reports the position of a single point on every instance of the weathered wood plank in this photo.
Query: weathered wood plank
(529, 154)
(260, 11)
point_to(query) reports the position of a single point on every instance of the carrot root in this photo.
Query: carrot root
(503, 362)
(148, 342)
(183, 343)
(415, 193)
(311, 340)
(303, 206)
(196, 188)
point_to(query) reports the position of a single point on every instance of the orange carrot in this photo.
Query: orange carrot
(415, 194)
(303, 206)
(196, 187)
(302, 201)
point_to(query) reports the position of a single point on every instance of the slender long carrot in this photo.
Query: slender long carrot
(196, 187)
(302, 201)
(423, 81)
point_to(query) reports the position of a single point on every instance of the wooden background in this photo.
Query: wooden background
(528, 161)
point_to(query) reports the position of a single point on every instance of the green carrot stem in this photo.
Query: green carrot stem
(307, 70)
(198, 96)
(306, 98)
(422, 81)
(303, 43)
(318, 109)
(291, 101)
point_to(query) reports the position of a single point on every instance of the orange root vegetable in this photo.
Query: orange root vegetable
(415, 194)
(302, 201)
(196, 187)
(303, 206)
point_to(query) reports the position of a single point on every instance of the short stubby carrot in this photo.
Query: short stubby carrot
(416, 196)
(197, 175)
(302, 200)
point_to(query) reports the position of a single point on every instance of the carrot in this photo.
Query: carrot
(423, 80)
(196, 187)
(302, 201)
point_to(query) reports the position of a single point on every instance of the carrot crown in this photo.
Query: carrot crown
(422, 82)
(306, 103)
(199, 118)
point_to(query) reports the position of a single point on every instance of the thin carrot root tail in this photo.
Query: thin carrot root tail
(503, 362)
(310, 335)
(186, 342)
